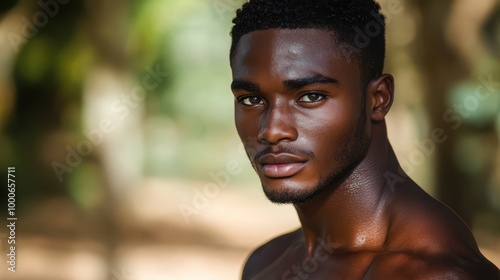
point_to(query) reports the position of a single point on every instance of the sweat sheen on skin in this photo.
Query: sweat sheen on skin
(329, 156)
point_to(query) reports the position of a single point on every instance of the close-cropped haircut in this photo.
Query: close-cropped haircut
(357, 26)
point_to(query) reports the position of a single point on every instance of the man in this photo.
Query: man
(310, 103)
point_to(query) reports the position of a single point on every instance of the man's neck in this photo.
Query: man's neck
(351, 215)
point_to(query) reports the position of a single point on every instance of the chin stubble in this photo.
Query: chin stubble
(349, 156)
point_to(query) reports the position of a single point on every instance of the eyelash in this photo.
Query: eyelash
(242, 99)
(321, 97)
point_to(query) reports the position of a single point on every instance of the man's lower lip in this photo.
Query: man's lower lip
(282, 170)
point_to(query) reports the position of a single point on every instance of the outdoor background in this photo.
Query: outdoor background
(117, 116)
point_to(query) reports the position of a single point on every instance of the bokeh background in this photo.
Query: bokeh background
(117, 116)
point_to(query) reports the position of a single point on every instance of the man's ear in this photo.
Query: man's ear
(380, 93)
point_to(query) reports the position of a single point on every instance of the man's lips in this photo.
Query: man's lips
(281, 165)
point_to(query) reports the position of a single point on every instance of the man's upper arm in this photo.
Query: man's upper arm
(263, 257)
(254, 263)
(266, 254)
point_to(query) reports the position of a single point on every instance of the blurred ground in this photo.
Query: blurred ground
(56, 242)
(154, 241)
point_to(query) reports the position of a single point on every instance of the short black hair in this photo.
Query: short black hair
(357, 25)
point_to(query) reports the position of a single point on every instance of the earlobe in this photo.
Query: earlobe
(381, 93)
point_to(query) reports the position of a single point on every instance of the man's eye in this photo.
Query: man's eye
(311, 98)
(251, 101)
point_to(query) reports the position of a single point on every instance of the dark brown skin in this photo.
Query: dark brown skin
(299, 112)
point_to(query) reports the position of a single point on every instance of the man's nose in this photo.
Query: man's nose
(277, 125)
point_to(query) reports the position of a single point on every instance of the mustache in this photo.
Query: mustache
(282, 150)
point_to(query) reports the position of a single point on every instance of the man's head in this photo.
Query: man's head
(302, 110)
(357, 26)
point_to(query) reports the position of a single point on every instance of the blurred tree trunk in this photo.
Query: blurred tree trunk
(33, 109)
(450, 51)
(442, 69)
(119, 150)
(8, 55)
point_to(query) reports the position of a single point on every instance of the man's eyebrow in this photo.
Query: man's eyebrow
(244, 85)
(302, 82)
(289, 84)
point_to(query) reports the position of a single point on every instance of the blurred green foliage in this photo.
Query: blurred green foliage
(185, 124)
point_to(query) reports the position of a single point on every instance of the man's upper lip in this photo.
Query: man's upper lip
(280, 158)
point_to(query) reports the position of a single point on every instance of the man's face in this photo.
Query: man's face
(299, 110)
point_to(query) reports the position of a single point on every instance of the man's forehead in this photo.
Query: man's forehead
(292, 41)
(293, 53)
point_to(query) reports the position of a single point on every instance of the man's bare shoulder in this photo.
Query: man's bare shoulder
(427, 240)
(422, 266)
(417, 221)
(261, 257)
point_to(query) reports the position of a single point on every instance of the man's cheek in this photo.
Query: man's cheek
(247, 132)
(251, 152)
